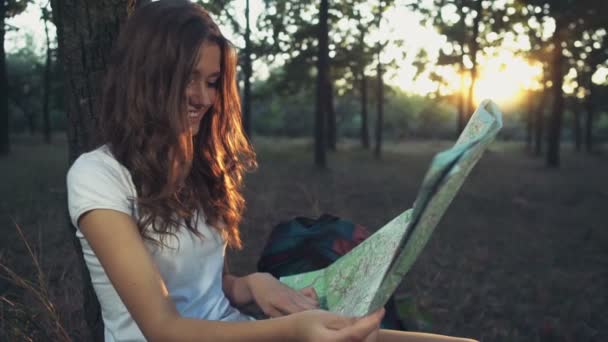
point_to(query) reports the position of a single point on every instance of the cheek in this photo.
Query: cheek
(189, 92)
(213, 94)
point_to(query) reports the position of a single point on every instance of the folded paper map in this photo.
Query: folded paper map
(363, 280)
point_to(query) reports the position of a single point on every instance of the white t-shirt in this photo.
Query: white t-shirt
(191, 268)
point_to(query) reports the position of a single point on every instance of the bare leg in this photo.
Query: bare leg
(408, 336)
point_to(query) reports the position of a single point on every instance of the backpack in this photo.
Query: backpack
(304, 244)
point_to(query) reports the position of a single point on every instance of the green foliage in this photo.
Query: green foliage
(284, 115)
(25, 70)
(292, 39)
(405, 115)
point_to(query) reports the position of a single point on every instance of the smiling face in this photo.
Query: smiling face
(203, 84)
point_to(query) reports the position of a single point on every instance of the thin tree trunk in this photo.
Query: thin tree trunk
(462, 115)
(555, 125)
(46, 120)
(589, 122)
(380, 108)
(461, 102)
(539, 123)
(86, 31)
(332, 127)
(530, 122)
(31, 119)
(247, 71)
(577, 127)
(474, 50)
(4, 116)
(322, 81)
(364, 124)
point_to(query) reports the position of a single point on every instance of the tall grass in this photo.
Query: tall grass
(45, 319)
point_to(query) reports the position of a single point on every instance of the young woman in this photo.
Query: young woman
(156, 204)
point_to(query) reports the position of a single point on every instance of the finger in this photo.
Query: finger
(271, 311)
(305, 302)
(362, 328)
(310, 294)
(373, 337)
(340, 322)
(288, 306)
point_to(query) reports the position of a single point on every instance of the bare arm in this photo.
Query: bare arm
(114, 238)
(236, 289)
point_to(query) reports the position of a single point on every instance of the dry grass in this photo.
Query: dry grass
(48, 321)
(521, 254)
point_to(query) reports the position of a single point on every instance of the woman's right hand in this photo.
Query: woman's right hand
(319, 325)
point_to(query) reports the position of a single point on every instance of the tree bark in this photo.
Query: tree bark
(380, 109)
(589, 122)
(86, 31)
(31, 118)
(332, 126)
(462, 115)
(322, 81)
(577, 128)
(530, 122)
(364, 124)
(247, 71)
(555, 124)
(4, 115)
(86, 34)
(474, 49)
(461, 102)
(46, 119)
(539, 123)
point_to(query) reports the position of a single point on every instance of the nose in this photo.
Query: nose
(199, 95)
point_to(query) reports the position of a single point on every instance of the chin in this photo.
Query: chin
(194, 130)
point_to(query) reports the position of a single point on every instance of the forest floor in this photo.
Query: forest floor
(521, 254)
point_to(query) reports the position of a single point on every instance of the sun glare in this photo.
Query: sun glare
(505, 78)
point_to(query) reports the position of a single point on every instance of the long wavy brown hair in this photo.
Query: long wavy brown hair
(145, 124)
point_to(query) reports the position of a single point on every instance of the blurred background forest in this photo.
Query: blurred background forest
(346, 102)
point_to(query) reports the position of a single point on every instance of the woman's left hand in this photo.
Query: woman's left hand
(277, 299)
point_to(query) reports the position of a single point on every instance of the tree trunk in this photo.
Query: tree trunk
(322, 81)
(86, 31)
(577, 128)
(589, 122)
(247, 71)
(332, 127)
(555, 125)
(530, 121)
(474, 49)
(462, 115)
(380, 108)
(4, 116)
(539, 123)
(364, 125)
(461, 102)
(46, 120)
(31, 118)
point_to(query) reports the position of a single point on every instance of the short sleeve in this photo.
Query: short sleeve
(97, 181)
